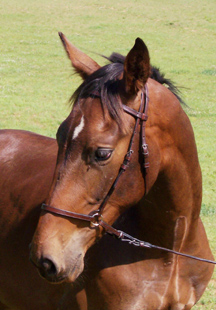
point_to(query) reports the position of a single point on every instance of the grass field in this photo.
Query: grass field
(37, 80)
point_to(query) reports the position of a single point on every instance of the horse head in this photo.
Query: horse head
(92, 142)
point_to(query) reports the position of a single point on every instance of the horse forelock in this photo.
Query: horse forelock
(103, 83)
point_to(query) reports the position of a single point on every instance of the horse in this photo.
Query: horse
(127, 165)
(27, 164)
(26, 176)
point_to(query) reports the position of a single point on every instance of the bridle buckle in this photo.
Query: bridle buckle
(96, 218)
(145, 149)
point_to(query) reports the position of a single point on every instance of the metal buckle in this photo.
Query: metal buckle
(96, 218)
(145, 149)
(128, 155)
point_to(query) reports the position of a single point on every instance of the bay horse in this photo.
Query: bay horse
(127, 157)
(27, 163)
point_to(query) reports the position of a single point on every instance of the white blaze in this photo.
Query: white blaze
(78, 129)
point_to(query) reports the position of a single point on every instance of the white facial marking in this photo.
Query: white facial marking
(78, 129)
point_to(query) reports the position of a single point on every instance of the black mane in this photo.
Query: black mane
(104, 83)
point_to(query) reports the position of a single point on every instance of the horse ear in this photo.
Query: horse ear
(82, 63)
(136, 67)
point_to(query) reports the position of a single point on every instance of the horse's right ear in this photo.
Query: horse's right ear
(136, 67)
(83, 64)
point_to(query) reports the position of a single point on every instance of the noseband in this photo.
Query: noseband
(95, 218)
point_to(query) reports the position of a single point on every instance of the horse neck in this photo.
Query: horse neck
(174, 180)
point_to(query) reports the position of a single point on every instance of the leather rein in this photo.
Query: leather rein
(95, 218)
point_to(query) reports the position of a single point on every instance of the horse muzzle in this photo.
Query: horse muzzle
(56, 270)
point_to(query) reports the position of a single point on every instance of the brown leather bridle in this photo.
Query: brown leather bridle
(95, 218)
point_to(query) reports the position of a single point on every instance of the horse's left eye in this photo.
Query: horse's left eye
(102, 154)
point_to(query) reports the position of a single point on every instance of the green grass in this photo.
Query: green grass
(36, 77)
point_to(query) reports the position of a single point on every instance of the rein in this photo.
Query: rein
(95, 218)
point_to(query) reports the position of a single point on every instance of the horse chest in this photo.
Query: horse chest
(127, 280)
(140, 287)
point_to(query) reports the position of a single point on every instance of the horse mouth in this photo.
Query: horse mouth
(52, 277)
(76, 269)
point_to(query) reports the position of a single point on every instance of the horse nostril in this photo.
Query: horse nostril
(48, 267)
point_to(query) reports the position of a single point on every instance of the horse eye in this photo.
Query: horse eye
(102, 154)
